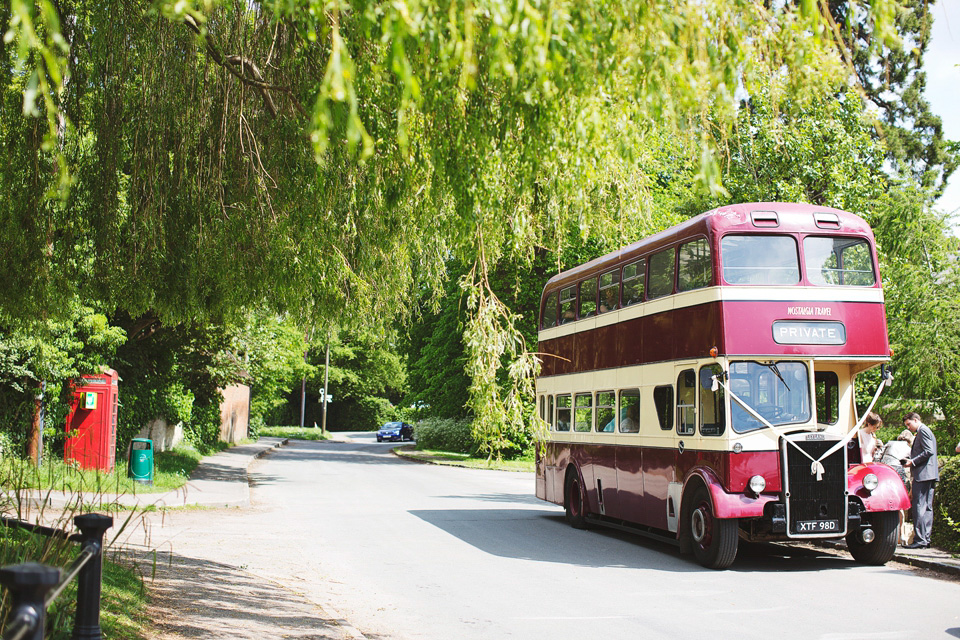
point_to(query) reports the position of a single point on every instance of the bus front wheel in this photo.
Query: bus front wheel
(880, 550)
(573, 502)
(714, 539)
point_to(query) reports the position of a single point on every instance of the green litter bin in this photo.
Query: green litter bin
(141, 460)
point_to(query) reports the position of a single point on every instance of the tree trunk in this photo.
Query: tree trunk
(35, 435)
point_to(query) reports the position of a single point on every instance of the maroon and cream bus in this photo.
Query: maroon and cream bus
(699, 384)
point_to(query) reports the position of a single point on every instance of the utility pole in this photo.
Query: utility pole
(303, 381)
(326, 389)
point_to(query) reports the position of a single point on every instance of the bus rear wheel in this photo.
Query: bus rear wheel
(880, 550)
(714, 539)
(573, 502)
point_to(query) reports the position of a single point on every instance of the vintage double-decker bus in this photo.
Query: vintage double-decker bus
(699, 384)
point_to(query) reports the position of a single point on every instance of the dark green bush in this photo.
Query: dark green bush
(445, 434)
(946, 506)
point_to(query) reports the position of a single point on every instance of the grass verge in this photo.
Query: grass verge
(306, 433)
(123, 598)
(464, 460)
(172, 469)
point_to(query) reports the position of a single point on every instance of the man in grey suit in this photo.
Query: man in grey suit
(923, 463)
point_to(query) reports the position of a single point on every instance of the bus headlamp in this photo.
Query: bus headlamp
(870, 482)
(757, 484)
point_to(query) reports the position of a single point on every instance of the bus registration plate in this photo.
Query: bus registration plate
(817, 526)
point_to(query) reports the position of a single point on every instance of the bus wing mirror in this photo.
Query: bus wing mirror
(886, 372)
(708, 380)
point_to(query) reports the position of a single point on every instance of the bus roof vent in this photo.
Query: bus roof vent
(826, 220)
(764, 218)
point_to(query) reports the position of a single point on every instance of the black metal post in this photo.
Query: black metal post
(28, 584)
(86, 625)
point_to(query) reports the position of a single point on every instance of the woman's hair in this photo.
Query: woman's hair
(872, 419)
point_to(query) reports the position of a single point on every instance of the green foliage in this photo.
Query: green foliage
(921, 276)
(893, 82)
(946, 507)
(272, 349)
(446, 434)
(363, 413)
(45, 358)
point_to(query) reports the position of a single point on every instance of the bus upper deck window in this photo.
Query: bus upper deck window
(588, 298)
(662, 268)
(633, 279)
(846, 262)
(568, 298)
(760, 259)
(549, 318)
(696, 265)
(609, 291)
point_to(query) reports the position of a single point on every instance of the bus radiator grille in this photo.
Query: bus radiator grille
(813, 501)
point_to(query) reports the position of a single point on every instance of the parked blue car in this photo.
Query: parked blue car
(397, 431)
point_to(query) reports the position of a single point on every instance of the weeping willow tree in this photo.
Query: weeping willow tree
(326, 158)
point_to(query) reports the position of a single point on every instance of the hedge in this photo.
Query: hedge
(946, 506)
(445, 434)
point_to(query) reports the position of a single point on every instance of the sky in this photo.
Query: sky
(942, 64)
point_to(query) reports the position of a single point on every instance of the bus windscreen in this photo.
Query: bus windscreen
(760, 259)
(779, 392)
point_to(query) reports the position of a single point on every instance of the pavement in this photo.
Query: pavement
(221, 480)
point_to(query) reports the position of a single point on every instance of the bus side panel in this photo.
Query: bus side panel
(630, 490)
(606, 353)
(629, 343)
(555, 457)
(697, 330)
(659, 345)
(659, 470)
(603, 468)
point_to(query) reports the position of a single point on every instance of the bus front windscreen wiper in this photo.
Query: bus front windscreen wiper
(773, 367)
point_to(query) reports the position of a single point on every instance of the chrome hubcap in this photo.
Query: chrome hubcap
(698, 525)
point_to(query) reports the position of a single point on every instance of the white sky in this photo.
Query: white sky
(942, 64)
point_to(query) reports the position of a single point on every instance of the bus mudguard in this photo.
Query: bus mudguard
(890, 494)
(727, 505)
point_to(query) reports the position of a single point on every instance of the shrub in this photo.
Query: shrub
(445, 434)
(946, 506)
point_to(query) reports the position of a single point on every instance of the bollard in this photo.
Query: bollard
(28, 585)
(87, 622)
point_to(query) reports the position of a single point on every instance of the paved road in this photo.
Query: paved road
(406, 551)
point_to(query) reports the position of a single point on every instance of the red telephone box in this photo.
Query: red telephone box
(92, 422)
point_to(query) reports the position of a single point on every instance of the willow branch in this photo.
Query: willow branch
(244, 69)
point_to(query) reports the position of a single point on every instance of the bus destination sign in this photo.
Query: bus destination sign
(809, 332)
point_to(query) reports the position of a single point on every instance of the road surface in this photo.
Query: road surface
(401, 550)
